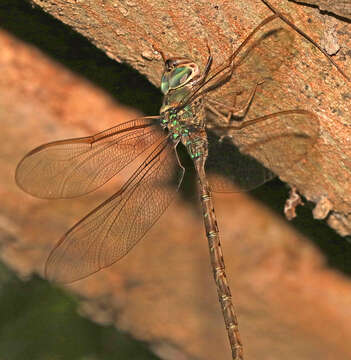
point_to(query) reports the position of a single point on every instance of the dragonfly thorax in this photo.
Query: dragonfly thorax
(187, 126)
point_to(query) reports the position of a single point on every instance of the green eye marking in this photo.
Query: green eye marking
(164, 84)
(175, 135)
(174, 79)
(179, 76)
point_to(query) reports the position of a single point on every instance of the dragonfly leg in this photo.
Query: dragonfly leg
(208, 64)
(231, 111)
(251, 122)
(226, 111)
(214, 110)
(241, 112)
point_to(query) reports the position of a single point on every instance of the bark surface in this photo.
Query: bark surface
(131, 30)
(337, 7)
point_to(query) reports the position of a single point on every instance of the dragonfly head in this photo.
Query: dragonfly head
(178, 72)
(179, 77)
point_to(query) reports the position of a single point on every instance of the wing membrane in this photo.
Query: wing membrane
(272, 143)
(258, 58)
(112, 229)
(73, 167)
(261, 62)
(278, 141)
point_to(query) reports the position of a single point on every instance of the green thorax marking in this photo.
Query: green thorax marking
(175, 125)
(191, 136)
(196, 146)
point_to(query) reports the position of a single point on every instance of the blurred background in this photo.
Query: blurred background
(286, 274)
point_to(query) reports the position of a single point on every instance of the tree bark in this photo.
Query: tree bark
(131, 31)
(337, 7)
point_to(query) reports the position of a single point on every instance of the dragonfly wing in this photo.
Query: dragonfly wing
(278, 142)
(73, 167)
(112, 229)
(262, 61)
(255, 61)
(229, 170)
(273, 143)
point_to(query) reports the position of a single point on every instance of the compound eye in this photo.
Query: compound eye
(179, 76)
(165, 83)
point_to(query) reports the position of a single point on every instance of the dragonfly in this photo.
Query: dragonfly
(201, 112)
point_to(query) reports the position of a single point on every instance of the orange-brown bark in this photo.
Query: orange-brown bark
(338, 7)
(130, 31)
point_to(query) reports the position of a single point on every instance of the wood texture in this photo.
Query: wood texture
(131, 30)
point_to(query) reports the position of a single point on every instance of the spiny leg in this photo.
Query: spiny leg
(208, 64)
(231, 65)
(232, 111)
(251, 122)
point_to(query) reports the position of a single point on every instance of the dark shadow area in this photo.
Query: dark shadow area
(335, 248)
(39, 321)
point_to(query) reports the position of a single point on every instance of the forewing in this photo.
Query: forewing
(255, 61)
(73, 167)
(112, 229)
(262, 61)
(278, 142)
(279, 138)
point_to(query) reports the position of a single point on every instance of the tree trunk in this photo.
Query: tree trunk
(131, 31)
